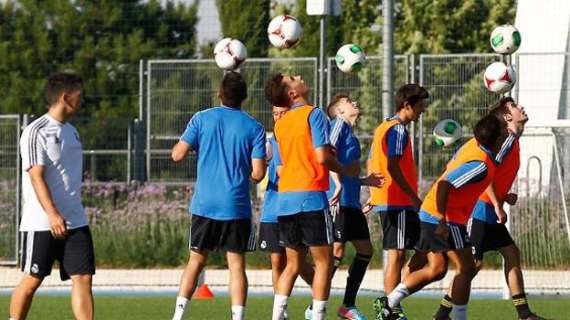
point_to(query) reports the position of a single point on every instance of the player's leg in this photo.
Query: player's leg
(201, 242)
(480, 243)
(238, 284)
(356, 273)
(36, 261)
(339, 215)
(317, 233)
(22, 296)
(269, 242)
(291, 238)
(82, 297)
(338, 255)
(236, 238)
(78, 263)
(515, 280)
(278, 262)
(461, 286)
(322, 256)
(393, 244)
(295, 259)
(435, 269)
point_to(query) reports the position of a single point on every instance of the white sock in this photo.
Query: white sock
(238, 312)
(459, 312)
(319, 310)
(279, 306)
(179, 309)
(399, 293)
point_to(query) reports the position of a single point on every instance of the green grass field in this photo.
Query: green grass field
(126, 308)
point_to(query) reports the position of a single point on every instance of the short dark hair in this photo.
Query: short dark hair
(59, 83)
(233, 90)
(276, 91)
(411, 93)
(335, 101)
(499, 109)
(488, 130)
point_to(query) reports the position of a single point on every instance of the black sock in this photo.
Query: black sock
(355, 276)
(336, 264)
(521, 304)
(444, 308)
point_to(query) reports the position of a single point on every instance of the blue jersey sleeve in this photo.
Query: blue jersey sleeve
(470, 172)
(276, 155)
(506, 148)
(397, 138)
(339, 132)
(320, 128)
(259, 151)
(192, 131)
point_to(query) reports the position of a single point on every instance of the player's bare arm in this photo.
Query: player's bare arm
(396, 173)
(444, 187)
(180, 151)
(499, 211)
(259, 168)
(57, 223)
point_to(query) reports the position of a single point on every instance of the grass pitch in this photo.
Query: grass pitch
(126, 308)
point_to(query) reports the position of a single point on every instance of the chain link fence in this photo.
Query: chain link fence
(176, 89)
(120, 151)
(9, 187)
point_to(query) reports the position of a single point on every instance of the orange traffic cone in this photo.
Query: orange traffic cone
(203, 293)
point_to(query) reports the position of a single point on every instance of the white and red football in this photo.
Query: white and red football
(499, 78)
(284, 31)
(229, 53)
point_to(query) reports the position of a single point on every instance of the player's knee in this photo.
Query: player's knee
(513, 256)
(30, 284)
(437, 272)
(83, 280)
(396, 258)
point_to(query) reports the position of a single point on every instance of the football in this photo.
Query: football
(505, 39)
(447, 132)
(350, 58)
(499, 77)
(284, 31)
(229, 53)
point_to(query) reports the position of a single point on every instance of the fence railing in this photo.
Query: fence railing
(120, 151)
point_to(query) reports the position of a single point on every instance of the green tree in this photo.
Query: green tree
(449, 26)
(102, 40)
(247, 21)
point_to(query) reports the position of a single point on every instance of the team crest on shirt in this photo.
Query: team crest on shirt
(263, 244)
(35, 268)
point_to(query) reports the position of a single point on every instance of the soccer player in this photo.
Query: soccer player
(349, 221)
(444, 213)
(231, 152)
(54, 225)
(304, 158)
(398, 202)
(268, 227)
(487, 229)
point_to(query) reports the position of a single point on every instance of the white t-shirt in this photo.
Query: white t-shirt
(56, 146)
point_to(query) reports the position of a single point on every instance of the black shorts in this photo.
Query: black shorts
(349, 224)
(75, 253)
(313, 228)
(269, 238)
(400, 228)
(488, 237)
(429, 241)
(223, 235)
